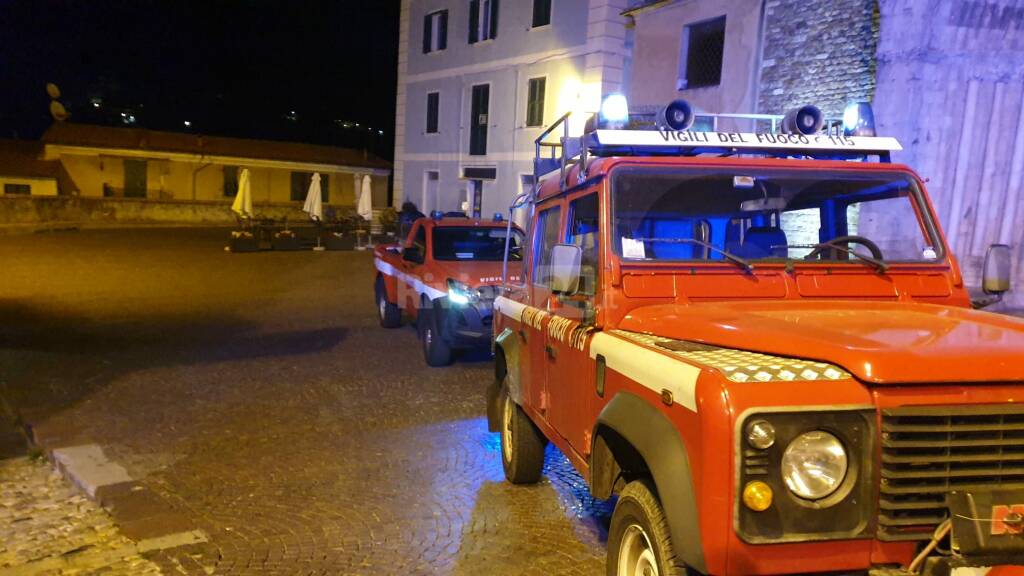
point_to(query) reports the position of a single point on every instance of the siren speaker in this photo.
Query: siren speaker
(676, 116)
(803, 120)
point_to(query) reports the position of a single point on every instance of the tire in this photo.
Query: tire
(436, 351)
(390, 315)
(639, 541)
(522, 444)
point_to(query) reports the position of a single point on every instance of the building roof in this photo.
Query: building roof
(90, 136)
(21, 158)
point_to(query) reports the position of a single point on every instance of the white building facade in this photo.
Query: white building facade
(480, 80)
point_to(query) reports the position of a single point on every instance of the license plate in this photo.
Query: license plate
(987, 522)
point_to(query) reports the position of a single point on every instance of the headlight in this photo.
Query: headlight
(460, 294)
(814, 465)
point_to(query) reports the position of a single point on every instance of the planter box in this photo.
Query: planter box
(243, 244)
(286, 243)
(332, 242)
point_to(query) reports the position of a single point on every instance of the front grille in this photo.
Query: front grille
(929, 451)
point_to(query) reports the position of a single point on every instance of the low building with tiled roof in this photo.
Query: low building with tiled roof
(23, 172)
(134, 163)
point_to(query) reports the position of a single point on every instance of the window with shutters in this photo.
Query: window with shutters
(433, 109)
(535, 102)
(483, 20)
(703, 47)
(541, 13)
(300, 186)
(435, 31)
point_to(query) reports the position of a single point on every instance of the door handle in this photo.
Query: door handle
(522, 336)
(550, 351)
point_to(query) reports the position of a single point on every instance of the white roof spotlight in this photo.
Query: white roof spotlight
(804, 120)
(678, 116)
(859, 119)
(614, 112)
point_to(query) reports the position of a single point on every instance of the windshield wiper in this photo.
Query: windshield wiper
(728, 255)
(878, 264)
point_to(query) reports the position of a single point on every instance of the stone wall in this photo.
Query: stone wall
(19, 214)
(951, 89)
(820, 53)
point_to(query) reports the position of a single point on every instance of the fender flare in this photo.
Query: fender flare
(659, 444)
(506, 368)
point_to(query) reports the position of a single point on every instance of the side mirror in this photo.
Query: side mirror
(996, 276)
(412, 254)
(565, 268)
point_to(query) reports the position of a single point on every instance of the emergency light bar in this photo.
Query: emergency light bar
(669, 140)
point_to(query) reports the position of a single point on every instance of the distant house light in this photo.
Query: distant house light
(381, 132)
(188, 124)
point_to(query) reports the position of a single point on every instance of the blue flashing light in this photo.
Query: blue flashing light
(614, 112)
(859, 119)
(498, 217)
(437, 214)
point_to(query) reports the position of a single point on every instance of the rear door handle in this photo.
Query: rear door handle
(551, 351)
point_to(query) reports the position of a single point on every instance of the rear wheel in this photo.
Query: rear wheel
(522, 444)
(390, 315)
(639, 542)
(436, 351)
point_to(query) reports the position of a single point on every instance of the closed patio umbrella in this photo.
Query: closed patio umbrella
(365, 206)
(314, 206)
(243, 199)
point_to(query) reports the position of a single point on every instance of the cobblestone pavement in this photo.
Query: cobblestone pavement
(258, 396)
(47, 527)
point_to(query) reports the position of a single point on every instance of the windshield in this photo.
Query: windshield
(763, 215)
(475, 243)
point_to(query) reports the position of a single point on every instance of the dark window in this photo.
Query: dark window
(435, 31)
(17, 189)
(230, 181)
(548, 224)
(483, 20)
(419, 242)
(705, 44)
(541, 13)
(481, 244)
(478, 120)
(535, 102)
(301, 182)
(433, 108)
(583, 232)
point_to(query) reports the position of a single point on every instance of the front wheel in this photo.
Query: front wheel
(522, 445)
(639, 542)
(436, 351)
(390, 315)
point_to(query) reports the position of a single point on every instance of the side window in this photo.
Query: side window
(547, 228)
(583, 233)
(419, 243)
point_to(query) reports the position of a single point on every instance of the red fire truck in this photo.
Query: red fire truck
(761, 343)
(445, 276)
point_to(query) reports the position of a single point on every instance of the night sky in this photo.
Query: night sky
(230, 67)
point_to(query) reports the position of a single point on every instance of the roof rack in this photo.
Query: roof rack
(828, 144)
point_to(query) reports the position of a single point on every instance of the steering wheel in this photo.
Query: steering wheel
(876, 252)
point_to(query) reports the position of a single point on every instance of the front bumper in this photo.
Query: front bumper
(467, 325)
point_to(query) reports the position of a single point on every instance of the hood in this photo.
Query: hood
(474, 273)
(879, 342)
